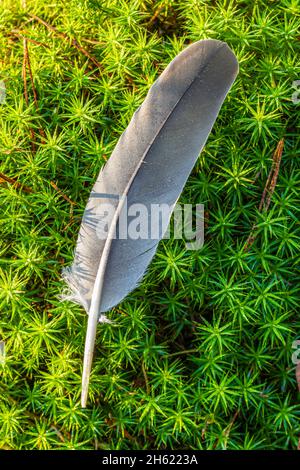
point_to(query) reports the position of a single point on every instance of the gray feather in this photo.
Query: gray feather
(149, 165)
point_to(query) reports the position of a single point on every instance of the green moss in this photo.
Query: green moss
(200, 355)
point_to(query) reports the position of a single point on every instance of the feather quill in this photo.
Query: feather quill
(149, 165)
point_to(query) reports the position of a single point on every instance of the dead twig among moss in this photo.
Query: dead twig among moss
(146, 378)
(27, 62)
(58, 433)
(21, 35)
(155, 14)
(24, 68)
(227, 430)
(73, 42)
(272, 178)
(15, 183)
(27, 66)
(298, 375)
(230, 425)
(63, 195)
